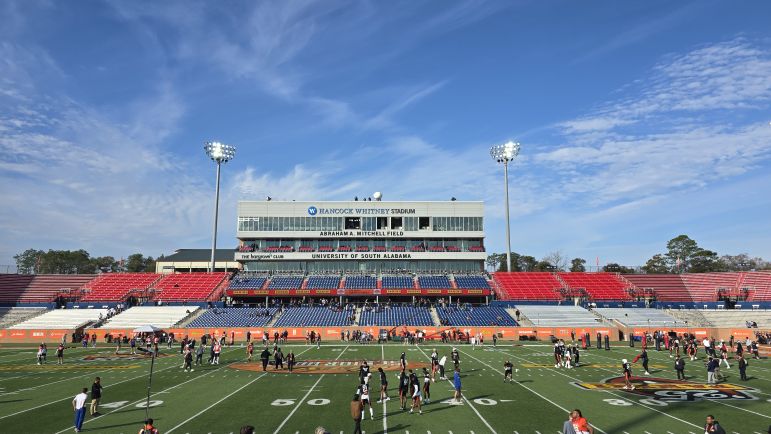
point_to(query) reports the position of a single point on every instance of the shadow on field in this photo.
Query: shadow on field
(396, 428)
(13, 400)
(138, 424)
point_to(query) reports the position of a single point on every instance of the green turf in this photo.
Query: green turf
(219, 399)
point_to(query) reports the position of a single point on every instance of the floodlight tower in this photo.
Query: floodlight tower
(504, 154)
(219, 153)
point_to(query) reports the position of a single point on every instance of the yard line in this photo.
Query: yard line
(465, 399)
(539, 395)
(66, 398)
(209, 407)
(305, 397)
(617, 395)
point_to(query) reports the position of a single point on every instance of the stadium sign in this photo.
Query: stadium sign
(336, 256)
(314, 211)
(668, 390)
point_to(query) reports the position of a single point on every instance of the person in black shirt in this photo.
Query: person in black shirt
(743, 368)
(507, 367)
(383, 386)
(404, 388)
(680, 367)
(96, 395)
(264, 357)
(278, 358)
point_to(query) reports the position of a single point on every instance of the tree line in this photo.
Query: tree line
(683, 255)
(33, 261)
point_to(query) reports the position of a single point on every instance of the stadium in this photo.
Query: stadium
(337, 283)
(385, 217)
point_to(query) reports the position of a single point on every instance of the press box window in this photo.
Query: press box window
(353, 223)
(382, 223)
(423, 223)
(396, 223)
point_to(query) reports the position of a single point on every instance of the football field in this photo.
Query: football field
(224, 397)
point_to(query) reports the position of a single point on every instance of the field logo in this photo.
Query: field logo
(667, 390)
(312, 210)
(331, 366)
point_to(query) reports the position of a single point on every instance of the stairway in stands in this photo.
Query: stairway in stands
(274, 319)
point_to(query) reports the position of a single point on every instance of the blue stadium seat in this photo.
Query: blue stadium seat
(247, 283)
(361, 282)
(398, 282)
(314, 316)
(234, 317)
(323, 282)
(285, 282)
(477, 316)
(434, 282)
(471, 282)
(396, 316)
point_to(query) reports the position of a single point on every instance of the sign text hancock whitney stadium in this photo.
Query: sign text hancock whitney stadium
(359, 236)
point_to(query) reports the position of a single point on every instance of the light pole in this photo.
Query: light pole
(219, 153)
(504, 154)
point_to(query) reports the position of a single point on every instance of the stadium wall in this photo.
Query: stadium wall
(332, 334)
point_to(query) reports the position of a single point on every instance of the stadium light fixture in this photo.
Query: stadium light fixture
(219, 153)
(504, 154)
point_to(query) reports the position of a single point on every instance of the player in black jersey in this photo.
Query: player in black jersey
(415, 391)
(363, 371)
(507, 368)
(427, 386)
(403, 361)
(404, 388)
(383, 386)
(627, 375)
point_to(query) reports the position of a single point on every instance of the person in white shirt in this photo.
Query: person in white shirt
(79, 405)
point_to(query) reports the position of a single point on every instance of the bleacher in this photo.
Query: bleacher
(158, 316)
(117, 286)
(558, 316)
(243, 282)
(639, 317)
(62, 319)
(285, 282)
(704, 286)
(471, 282)
(322, 282)
(527, 286)
(234, 317)
(666, 287)
(40, 288)
(187, 286)
(434, 282)
(12, 315)
(759, 284)
(313, 316)
(396, 316)
(397, 282)
(599, 286)
(361, 282)
(481, 316)
(733, 318)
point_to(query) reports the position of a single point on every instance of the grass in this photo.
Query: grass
(220, 399)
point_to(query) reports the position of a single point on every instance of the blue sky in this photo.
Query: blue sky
(638, 121)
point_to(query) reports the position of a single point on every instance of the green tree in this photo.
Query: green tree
(545, 265)
(136, 263)
(27, 261)
(705, 261)
(106, 264)
(527, 263)
(681, 249)
(657, 265)
(493, 260)
(578, 265)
